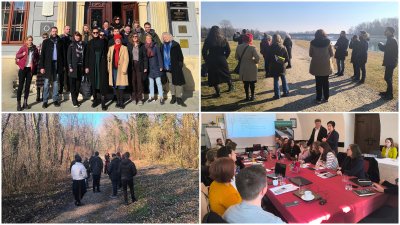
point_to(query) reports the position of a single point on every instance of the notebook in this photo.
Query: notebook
(364, 192)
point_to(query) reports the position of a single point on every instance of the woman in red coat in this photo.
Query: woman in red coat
(27, 59)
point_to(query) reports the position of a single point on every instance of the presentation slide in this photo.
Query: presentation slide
(247, 129)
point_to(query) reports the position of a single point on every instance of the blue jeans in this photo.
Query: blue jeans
(55, 85)
(363, 72)
(285, 86)
(340, 66)
(159, 87)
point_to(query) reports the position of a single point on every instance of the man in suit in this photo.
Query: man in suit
(317, 133)
(333, 137)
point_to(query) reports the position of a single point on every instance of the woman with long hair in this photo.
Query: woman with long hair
(27, 59)
(328, 158)
(353, 164)
(138, 59)
(215, 52)
(389, 150)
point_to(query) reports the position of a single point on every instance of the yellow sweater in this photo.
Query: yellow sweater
(392, 152)
(222, 196)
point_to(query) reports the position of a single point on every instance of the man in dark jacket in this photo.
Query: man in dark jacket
(288, 44)
(52, 65)
(148, 30)
(239, 37)
(317, 133)
(114, 173)
(265, 47)
(67, 39)
(137, 29)
(390, 59)
(125, 34)
(341, 52)
(128, 171)
(96, 166)
(87, 166)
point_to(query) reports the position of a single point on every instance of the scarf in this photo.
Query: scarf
(167, 55)
(79, 52)
(116, 54)
(149, 49)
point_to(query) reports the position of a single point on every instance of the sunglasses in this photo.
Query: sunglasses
(95, 32)
(117, 19)
(101, 34)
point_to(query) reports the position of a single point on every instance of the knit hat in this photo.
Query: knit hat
(117, 36)
(248, 38)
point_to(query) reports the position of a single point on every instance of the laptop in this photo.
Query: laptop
(300, 181)
(280, 168)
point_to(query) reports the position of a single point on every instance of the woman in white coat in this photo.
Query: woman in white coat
(79, 174)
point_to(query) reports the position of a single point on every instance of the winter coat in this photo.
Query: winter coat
(143, 61)
(127, 169)
(46, 58)
(96, 165)
(114, 170)
(321, 53)
(125, 38)
(248, 63)
(154, 63)
(362, 52)
(123, 62)
(176, 66)
(332, 139)
(264, 48)
(215, 57)
(154, 36)
(321, 134)
(355, 46)
(288, 44)
(72, 59)
(277, 68)
(391, 49)
(23, 58)
(87, 166)
(78, 171)
(90, 62)
(67, 40)
(238, 38)
(341, 48)
(354, 167)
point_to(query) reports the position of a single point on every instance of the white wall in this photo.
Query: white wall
(389, 127)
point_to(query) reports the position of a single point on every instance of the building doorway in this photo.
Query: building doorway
(98, 12)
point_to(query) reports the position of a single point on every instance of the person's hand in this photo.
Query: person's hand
(71, 70)
(324, 139)
(339, 173)
(145, 70)
(87, 70)
(24, 53)
(42, 71)
(381, 181)
(378, 187)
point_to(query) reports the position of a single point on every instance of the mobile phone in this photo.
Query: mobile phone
(364, 180)
(289, 204)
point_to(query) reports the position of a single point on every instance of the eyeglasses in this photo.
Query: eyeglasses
(117, 19)
(95, 32)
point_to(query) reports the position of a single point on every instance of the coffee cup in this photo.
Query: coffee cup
(308, 194)
(275, 182)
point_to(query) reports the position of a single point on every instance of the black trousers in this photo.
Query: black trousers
(24, 77)
(249, 85)
(78, 189)
(125, 184)
(64, 81)
(389, 80)
(322, 86)
(361, 67)
(75, 85)
(137, 81)
(96, 182)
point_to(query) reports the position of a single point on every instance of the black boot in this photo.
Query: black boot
(19, 106)
(230, 86)
(180, 102)
(217, 92)
(252, 87)
(246, 90)
(117, 98)
(95, 101)
(103, 103)
(173, 100)
(26, 106)
(121, 99)
(38, 95)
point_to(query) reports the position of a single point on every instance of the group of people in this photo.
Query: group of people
(116, 56)
(277, 54)
(237, 194)
(121, 171)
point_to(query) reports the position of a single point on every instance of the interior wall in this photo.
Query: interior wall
(389, 127)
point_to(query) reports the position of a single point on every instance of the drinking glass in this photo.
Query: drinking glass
(344, 178)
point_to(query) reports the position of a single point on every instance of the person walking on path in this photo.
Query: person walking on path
(321, 53)
(390, 60)
(215, 52)
(79, 174)
(128, 171)
(114, 173)
(277, 58)
(96, 166)
(341, 52)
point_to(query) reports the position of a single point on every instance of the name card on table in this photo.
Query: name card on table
(283, 189)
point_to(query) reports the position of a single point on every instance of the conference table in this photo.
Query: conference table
(342, 206)
(388, 169)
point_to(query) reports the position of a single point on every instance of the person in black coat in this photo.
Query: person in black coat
(173, 64)
(96, 167)
(126, 33)
(138, 61)
(52, 65)
(288, 44)
(67, 40)
(277, 66)
(87, 166)
(291, 149)
(215, 52)
(265, 46)
(116, 24)
(353, 164)
(238, 37)
(114, 173)
(314, 153)
(332, 137)
(128, 171)
(354, 45)
(361, 57)
(96, 68)
(320, 130)
(390, 60)
(341, 52)
(75, 60)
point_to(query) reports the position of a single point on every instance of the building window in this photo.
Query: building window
(14, 22)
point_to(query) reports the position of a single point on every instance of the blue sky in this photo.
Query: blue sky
(296, 16)
(95, 118)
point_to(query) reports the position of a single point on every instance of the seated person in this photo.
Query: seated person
(278, 143)
(222, 194)
(389, 151)
(304, 151)
(227, 151)
(353, 164)
(314, 153)
(227, 141)
(220, 143)
(291, 149)
(211, 155)
(328, 158)
(252, 186)
(387, 187)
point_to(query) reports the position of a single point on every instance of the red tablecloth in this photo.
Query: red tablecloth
(342, 206)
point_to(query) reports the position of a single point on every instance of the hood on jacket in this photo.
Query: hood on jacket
(125, 161)
(321, 43)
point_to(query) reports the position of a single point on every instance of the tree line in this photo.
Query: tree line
(376, 27)
(39, 148)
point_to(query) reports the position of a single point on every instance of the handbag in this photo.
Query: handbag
(86, 87)
(237, 68)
